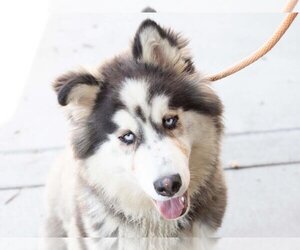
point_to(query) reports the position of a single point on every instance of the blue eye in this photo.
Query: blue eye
(170, 122)
(128, 138)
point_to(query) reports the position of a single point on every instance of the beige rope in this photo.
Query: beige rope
(290, 6)
(266, 47)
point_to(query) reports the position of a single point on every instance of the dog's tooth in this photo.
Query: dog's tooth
(182, 199)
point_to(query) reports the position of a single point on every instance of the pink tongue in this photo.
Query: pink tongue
(171, 209)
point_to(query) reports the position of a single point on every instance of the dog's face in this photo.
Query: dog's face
(142, 121)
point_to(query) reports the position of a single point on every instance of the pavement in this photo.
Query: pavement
(262, 116)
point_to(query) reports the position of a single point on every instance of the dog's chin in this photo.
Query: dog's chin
(173, 208)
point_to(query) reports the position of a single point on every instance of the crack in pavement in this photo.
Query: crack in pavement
(22, 187)
(236, 166)
(257, 132)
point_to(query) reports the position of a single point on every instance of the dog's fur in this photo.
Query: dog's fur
(103, 188)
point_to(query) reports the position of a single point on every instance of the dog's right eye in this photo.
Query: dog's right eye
(128, 138)
(170, 122)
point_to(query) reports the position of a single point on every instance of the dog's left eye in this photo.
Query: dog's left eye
(128, 138)
(170, 122)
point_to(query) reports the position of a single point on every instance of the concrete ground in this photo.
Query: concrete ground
(262, 116)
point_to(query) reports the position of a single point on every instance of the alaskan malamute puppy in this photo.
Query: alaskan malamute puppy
(144, 153)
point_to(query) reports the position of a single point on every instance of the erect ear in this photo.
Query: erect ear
(79, 88)
(161, 47)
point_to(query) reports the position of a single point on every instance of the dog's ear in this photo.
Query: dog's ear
(77, 91)
(161, 47)
(79, 88)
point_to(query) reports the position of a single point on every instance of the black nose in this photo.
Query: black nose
(168, 185)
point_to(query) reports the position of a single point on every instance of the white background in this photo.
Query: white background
(21, 24)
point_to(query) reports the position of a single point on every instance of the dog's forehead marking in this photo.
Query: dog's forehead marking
(134, 95)
(139, 113)
(124, 120)
(159, 108)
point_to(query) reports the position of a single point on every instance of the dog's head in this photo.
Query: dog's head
(146, 126)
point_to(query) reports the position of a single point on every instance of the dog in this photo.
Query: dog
(143, 158)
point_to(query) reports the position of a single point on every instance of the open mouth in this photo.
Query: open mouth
(173, 208)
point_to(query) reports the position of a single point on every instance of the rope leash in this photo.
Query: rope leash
(290, 6)
(264, 49)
